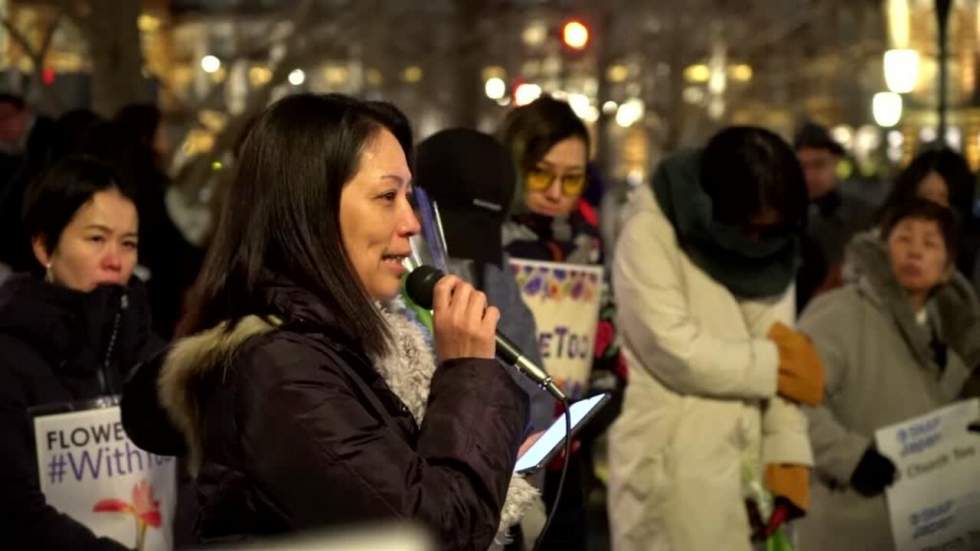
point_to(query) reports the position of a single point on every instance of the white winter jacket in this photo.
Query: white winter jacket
(700, 419)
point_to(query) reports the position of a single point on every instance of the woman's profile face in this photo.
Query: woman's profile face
(918, 254)
(554, 184)
(98, 246)
(376, 218)
(933, 187)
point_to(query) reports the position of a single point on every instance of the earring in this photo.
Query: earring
(48, 274)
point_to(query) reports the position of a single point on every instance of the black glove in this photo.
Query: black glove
(873, 473)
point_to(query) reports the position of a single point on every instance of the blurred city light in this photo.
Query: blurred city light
(886, 108)
(148, 23)
(210, 63)
(336, 75)
(412, 73)
(575, 35)
(898, 22)
(534, 34)
(526, 93)
(741, 72)
(491, 71)
(693, 95)
(259, 75)
(374, 77)
(866, 139)
(617, 73)
(697, 73)
(297, 77)
(954, 138)
(629, 112)
(843, 135)
(495, 88)
(609, 107)
(895, 138)
(580, 104)
(901, 70)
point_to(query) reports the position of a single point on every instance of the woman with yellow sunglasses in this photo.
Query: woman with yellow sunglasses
(551, 221)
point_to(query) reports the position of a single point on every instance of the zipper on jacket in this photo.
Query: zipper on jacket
(107, 361)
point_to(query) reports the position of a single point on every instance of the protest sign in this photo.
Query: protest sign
(564, 299)
(935, 502)
(91, 471)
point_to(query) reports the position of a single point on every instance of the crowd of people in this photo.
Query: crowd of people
(761, 319)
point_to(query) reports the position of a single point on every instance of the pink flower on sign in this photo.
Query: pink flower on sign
(144, 508)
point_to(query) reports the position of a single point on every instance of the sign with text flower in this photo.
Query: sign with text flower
(91, 471)
(564, 299)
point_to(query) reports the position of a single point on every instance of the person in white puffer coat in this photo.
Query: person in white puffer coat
(704, 277)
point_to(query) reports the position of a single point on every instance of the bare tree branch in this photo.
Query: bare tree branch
(19, 37)
(37, 56)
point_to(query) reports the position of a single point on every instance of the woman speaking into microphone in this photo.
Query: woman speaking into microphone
(283, 395)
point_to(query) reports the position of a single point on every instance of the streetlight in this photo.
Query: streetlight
(525, 93)
(942, 18)
(297, 77)
(575, 34)
(495, 88)
(886, 108)
(901, 70)
(210, 63)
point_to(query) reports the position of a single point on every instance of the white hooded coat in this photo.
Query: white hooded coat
(700, 418)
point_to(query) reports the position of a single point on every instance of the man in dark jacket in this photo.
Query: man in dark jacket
(834, 215)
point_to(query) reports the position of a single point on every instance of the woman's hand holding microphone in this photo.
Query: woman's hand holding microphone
(464, 325)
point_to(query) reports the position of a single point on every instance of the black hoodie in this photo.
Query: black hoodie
(57, 346)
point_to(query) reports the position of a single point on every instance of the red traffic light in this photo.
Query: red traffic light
(575, 34)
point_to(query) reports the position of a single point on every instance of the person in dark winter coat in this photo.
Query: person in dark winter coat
(277, 396)
(129, 144)
(836, 213)
(70, 336)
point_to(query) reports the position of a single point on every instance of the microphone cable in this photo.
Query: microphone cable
(564, 471)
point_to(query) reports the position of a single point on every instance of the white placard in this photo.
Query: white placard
(935, 502)
(564, 299)
(91, 471)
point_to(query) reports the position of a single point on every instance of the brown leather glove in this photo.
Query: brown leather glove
(791, 482)
(800, 371)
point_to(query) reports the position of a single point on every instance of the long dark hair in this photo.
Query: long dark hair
(945, 162)
(281, 215)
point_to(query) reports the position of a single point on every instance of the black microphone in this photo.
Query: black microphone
(419, 285)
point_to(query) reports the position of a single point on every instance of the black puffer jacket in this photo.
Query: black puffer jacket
(292, 428)
(57, 346)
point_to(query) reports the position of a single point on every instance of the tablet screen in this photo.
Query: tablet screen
(550, 442)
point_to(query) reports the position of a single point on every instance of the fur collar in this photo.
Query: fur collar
(866, 264)
(187, 362)
(407, 369)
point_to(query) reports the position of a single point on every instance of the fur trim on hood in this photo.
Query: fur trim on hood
(191, 358)
(407, 369)
(953, 309)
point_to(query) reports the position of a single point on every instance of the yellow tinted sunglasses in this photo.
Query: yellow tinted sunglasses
(539, 179)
